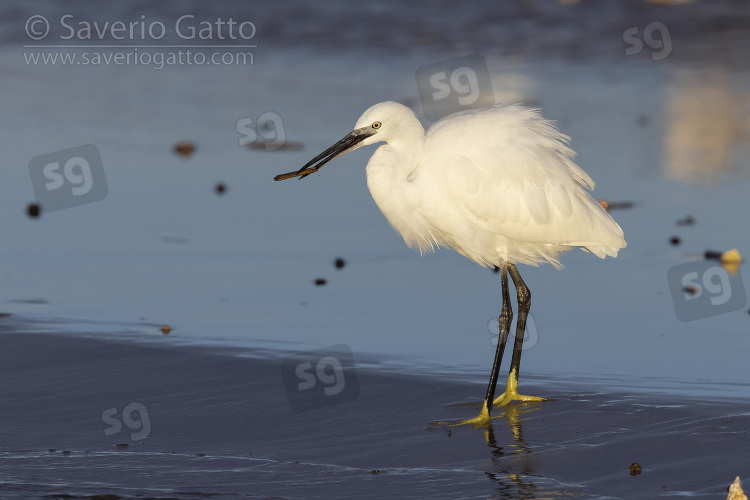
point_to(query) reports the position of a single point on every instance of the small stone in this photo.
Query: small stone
(184, 148)
(634, 469)
(33, 210)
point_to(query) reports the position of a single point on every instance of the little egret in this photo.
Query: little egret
(497, 184)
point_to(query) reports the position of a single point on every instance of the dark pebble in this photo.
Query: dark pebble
(33, 210)
(712, 255)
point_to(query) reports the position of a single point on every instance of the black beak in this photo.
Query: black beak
(345, 145)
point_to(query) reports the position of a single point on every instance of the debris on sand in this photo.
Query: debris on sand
(615, 205)
(735, 490)
(730, 260)
(33, 210)
(731, 257)
(184, 148)
(687, 221)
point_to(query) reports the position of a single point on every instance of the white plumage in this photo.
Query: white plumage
(497, 185)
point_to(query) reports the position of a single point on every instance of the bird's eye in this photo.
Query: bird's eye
(376, 125)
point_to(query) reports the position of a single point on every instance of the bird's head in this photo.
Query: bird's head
(378, 124)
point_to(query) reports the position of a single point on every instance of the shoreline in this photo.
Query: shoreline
(726, 391)
(224, 424)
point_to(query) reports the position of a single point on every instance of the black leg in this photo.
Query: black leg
(524, 304)
(506, 317)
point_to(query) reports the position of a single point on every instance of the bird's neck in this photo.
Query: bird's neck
(390, 180)
(393, 163)
(399, 157)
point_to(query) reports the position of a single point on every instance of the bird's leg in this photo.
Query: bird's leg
(524, 304)
(504, 321)
(506, 317)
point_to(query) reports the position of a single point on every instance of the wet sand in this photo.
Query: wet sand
(213, 424)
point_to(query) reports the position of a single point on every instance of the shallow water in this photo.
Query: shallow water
(238, 270)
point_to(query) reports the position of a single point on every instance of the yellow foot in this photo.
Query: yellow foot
(511, 393)
(480, 421)
(506, 397)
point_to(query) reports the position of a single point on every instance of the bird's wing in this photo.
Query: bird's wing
(513, 175)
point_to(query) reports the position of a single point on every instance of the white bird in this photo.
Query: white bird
(497, 184)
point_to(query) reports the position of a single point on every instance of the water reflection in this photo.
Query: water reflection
(512, 466)
(707, 121)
